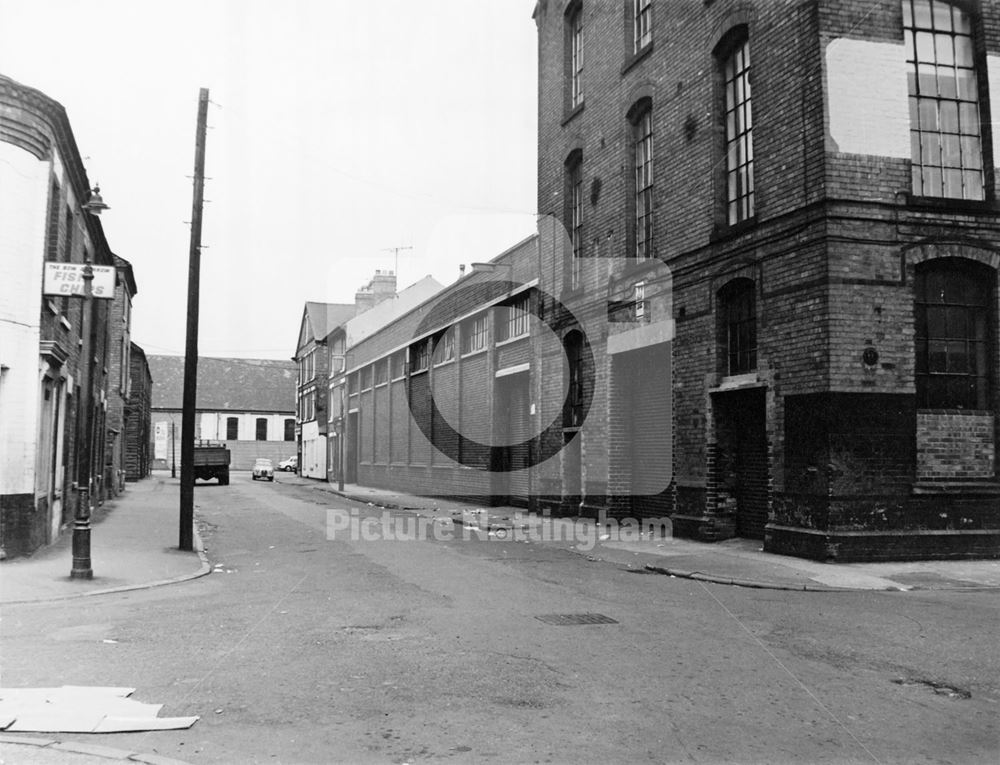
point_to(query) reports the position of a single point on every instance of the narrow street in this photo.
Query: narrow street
(300, 649)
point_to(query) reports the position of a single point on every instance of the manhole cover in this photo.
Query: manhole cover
(568, 620)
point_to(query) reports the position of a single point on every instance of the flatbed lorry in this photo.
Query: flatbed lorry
(211, 461)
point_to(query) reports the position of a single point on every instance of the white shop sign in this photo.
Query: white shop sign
(65, 279)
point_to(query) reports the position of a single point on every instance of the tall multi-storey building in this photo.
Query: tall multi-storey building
(54, 350)
(788, 215)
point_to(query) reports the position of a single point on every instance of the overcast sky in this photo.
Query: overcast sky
(338, 129)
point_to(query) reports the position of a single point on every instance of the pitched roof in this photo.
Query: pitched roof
(372, 320)
(237, 385)
(323, 318)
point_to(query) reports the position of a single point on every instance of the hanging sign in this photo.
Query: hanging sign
(66, 279)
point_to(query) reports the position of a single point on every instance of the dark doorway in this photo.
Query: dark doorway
(741, 459)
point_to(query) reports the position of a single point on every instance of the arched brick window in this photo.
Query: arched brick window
(641, 117)
(734, 61)
(954, 343)
(738, 326)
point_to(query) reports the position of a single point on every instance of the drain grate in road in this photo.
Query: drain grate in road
(569, 620)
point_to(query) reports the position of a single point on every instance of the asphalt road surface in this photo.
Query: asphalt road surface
(302, 649)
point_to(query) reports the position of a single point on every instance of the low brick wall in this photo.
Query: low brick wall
(848, 546)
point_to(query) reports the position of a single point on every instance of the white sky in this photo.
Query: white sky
(338, 129)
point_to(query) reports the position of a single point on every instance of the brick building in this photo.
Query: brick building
(426, 394)
(119, 379)
(138, 425)
(53, 369)
(248, 404)
(312, 360)
(803, 197)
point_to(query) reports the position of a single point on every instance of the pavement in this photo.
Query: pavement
(134, 546)
(134, 540)
(738, 562)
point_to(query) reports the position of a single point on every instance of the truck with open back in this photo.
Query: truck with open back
(211, 460)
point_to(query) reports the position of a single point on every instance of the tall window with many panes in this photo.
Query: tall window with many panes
(642, 150)
(642, 24)
(575, 182)
(739, 133)
(575, 35)
(954, 359)
(945, 133)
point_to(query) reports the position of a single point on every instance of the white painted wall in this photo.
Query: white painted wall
(24, 202)
(866, 98)
(213, 425)
(313, 451)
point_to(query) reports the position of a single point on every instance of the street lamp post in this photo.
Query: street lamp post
(82, 568)
(341, 434)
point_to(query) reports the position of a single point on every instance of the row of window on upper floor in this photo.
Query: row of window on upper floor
(510, 321)
(260, 429)
(946, 125)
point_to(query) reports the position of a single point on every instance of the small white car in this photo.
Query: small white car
(289, 465)
(263, 468)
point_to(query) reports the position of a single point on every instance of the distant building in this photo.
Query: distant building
(340, 345)
(247, 403)
(138, 427)
(319, 322)
(119, 379)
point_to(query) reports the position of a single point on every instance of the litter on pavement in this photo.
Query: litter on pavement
(81, 709)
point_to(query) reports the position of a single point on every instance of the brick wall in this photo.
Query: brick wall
(955, 445)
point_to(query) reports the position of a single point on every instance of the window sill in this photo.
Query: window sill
(511, 340)
(952, 205)
(730, 231)
(738, 382)
(634, 267)
(635, 58)
(65, 322)
(476, 352)
(956, 411)
(416, 372)
(572, 113)
(51, 305)
(443, 363)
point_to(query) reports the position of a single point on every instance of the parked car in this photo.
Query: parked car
(263, 468)
(290, 465)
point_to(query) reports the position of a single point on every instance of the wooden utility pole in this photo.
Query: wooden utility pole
(191, 348)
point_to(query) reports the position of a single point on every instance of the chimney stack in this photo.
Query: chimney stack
(381, 287)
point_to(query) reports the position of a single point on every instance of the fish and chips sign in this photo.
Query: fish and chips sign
(66, 280)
